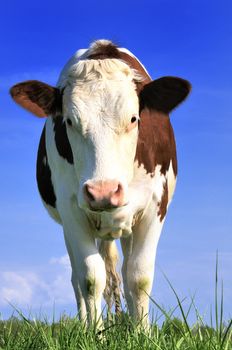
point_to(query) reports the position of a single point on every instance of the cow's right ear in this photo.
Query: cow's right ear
(37, 97)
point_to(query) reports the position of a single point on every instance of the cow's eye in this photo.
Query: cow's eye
(69, 122)
(133, 123)
(133, 119)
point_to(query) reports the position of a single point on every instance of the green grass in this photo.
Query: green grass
(166, 331)
(117, 334)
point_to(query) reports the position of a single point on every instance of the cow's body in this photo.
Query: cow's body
(102, 85)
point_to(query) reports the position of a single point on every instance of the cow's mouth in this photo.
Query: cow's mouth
(110, 224)
(110, 211)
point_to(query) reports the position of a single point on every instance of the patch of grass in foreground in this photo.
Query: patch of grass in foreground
(118, 333)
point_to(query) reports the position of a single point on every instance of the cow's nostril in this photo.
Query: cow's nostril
(119, 189)
(87, 192)
(117, 196)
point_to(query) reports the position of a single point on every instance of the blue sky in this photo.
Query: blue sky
(187, 39)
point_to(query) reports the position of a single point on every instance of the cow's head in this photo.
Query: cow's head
(98, 105)
(101, 109)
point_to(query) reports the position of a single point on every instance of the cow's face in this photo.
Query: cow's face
(102, 127)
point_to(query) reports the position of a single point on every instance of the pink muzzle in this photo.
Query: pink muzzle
(104, 194)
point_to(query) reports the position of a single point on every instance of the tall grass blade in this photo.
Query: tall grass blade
(228, 328)
(216, 295)
(181, 308)
(221, 314)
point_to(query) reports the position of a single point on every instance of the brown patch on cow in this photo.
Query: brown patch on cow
(102, 50)
(163, 203)
(156, 142)
(37, 97)
(43, 174)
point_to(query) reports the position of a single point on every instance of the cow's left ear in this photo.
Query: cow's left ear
(164, 94)
(37, 97)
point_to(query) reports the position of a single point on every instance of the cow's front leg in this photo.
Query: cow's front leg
(89, 275)
(140, 266)
(77, 290)
(82, 313)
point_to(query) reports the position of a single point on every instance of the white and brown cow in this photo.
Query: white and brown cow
(107, 168)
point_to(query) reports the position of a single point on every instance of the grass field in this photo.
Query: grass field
(166, 332)
(120, 334)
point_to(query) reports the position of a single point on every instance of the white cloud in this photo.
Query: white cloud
(16, 288)
(63, 261)
(27, 288)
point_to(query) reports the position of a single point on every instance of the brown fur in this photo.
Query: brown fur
(38, 98)
(164, 203)
(156, 146)
(102, 51)
(156, 142)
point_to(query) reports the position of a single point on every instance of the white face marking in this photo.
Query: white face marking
(100, 100)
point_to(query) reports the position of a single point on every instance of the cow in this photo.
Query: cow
(106, 169)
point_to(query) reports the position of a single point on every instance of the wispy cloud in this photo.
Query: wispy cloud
(17, 287)
(63, 261)
(28, 288)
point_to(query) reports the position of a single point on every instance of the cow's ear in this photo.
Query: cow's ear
(37, 97)
(164, 94)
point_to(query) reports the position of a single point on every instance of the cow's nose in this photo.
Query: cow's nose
(104, 194)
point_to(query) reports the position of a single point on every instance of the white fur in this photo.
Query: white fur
(100, 99)
(171, 182)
